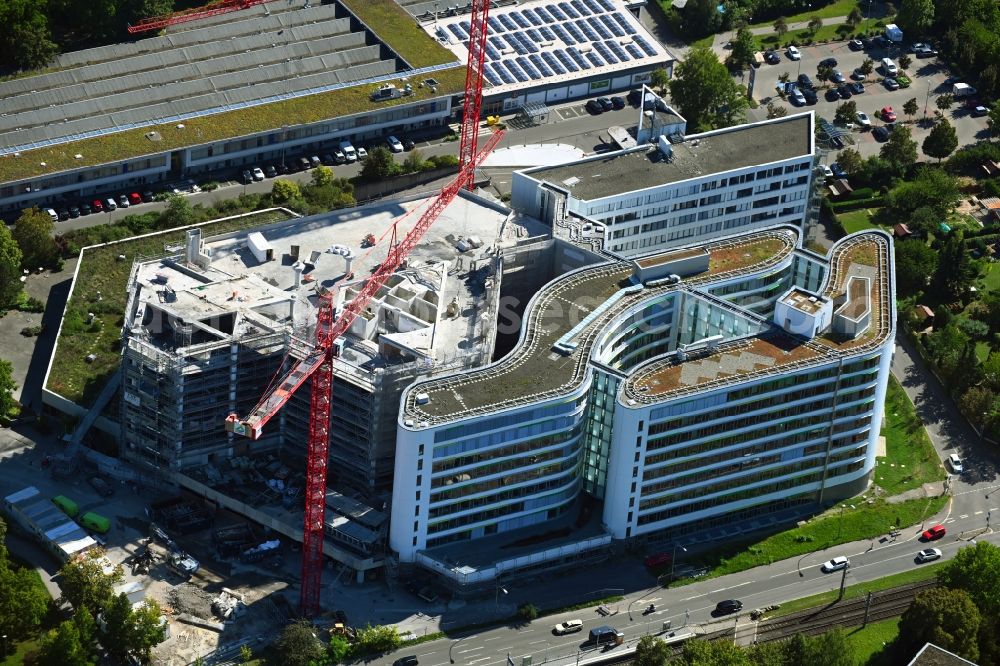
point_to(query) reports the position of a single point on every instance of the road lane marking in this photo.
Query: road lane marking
(495, 638)
(480, 659)
(963, 516)
(534, 642)
(979, 513)
(470, 650)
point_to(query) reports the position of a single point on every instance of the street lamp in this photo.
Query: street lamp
(673, 560)
(5, 646)
(499, 590)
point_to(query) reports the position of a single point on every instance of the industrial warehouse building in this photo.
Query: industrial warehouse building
(269, 84)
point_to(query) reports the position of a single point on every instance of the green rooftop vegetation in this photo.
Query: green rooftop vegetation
(99, 288)
(241, 122)
(400, 32)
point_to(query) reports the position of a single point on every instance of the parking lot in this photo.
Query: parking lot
(928, 82)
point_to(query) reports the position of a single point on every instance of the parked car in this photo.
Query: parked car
(63, 214)
(888, 115)
(109, 204)
(857, 87)
(837, 76)
(74, 212)
(771, 57)
(410, 660)
(979, 111)
(858, 75)
(283, 168)
(658, 560)
(827, 171)
(258, 173)
(793, 53)
(101, 486)
(315, 161)
(408, 143)
(881, 134)
(831, 95)
(85, 209)
(955, 462)
(123, 201)
(838, 171)
(395, 145)
(844, 91)
(270, 171)
(605, 103)
(828, 62)
(247, 177)
(855, 45)
(934, 533)
(797, 98)
(728, 607)
(805, 81)
(134, 198)
(303, 163)
(362, 153)
(864, 121)
(928, 555)
(634, 96)
(568, 627)
(926, 52)
(618, 102)
(339, 157)
(810, 95)
(52, 214)
(97, 206)
(330, 160)
(836, 564)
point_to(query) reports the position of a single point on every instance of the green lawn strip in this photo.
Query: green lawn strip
(834, 527)
(991, 280)
(832, 10)
(868, 643)
(400, 32)
(857, 220)
(918, 573)
(219, 126)
(828, 33)
(101, 271)
(911, 460)
(704, 41)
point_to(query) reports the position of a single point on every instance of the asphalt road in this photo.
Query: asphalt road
(964, 517)
(928, 76)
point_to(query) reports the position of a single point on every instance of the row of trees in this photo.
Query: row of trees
(27, 247)
(699, 18)
(962, 615)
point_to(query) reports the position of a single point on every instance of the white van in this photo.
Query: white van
(109, 204)
(349, 152)
(889, 67)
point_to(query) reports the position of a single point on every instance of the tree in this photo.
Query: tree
(379, 164)
(946, 617)
(8, 404)
(915, 262)
(714, 653)
(63, 646)
(659, 78)
(905, 61)
(824, 72)
(956, 270)
(991, 371)
(84, 583)
(931, 188)
(744, 47)
(178, 213)
(26, 41)
(867, 66)
(322, 175)
(701, 18)
(297, 643)
(850, 161)
(846, 113)
(775, 111)
(147, 629)
(976, 571)
(414, 162)
(945, 101)
(916, 16)
(337, 649)
(780, 26)
(900, 150)
(941, 141)
(855, 17)
(651, 651)
(527, 612)
(33, 234)
(705, 93)
(10, 268)
(285, 190)
(994, 119)
(23, 603)
(910, 108)
(890, 11)
(976, 404)
(815, 23)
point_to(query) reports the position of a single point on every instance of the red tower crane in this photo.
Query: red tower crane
(211, 9)
(318, 364)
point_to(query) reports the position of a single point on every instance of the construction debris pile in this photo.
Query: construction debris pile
(229, 605)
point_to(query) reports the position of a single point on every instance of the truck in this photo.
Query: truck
(893, 33)
(962, 90)
(68, 506)
(183, 564)
(96, 522)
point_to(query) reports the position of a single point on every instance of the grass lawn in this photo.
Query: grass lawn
(828, 33)
(101, 271)
(991, 280)
(918, 573)
(398, 29)
(832, 10)
(704, 41)
(857, 220)
(868, 643)
(911, 460)
(863, 521)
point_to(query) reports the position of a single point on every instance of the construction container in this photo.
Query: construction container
(68, 506)
(96, 522)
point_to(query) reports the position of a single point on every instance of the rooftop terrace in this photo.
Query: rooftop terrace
(863, 255)
(533, 371)
(697, 156)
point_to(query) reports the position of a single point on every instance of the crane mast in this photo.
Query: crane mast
(317, 365)
(211, 9)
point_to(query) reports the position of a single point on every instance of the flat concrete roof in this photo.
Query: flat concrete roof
(699, 155)
(235, 281)
(800, 300)
(534, 369)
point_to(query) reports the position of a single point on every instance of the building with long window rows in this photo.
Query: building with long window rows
(649, 399)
